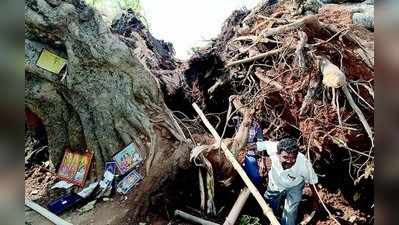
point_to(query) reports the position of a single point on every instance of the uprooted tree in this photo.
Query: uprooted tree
(106, 98)
(310, 77)
(111, 92)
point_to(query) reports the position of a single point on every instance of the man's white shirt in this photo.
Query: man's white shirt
(280, 179)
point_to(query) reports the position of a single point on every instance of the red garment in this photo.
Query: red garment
(32, 120)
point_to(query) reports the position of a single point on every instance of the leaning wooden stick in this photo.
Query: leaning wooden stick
(237, 207)
(193, 218)
(47, 214)
(267, 211)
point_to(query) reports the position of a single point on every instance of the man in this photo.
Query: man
(290, 170)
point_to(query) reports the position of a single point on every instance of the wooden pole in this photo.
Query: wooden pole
(267, 211)
(237, 207)
(47, 214)
(193, 218)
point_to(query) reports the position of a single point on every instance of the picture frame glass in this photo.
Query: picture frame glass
(75, 166)
(128, 158)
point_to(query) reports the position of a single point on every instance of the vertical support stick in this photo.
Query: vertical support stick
(237, 207)
(202, 190)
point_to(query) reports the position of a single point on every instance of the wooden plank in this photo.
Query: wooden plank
(267, 211)
(47, 214)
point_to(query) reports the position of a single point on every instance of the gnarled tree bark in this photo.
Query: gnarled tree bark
(108, 98)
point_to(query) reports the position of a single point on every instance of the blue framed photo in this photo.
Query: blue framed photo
(111, 167)
(128, 182)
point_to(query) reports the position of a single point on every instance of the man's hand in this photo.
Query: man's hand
(262, 167)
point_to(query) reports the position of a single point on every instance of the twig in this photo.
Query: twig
(218, 83)
(369, 89)
(325, 207)
(350, 166)
(228, 117)
(359, 113)
(360, 97)
(36, 151)
(256, 57)
(328, 40)
(268, 81)
(259, 25)
(314, 186)
(337, 106)
(348, 35)
(188, 130)
(343, 144)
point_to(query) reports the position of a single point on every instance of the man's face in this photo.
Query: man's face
(287, 159)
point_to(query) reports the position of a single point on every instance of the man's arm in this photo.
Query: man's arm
(267, 147)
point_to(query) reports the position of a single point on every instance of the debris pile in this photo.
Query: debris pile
(74, 189)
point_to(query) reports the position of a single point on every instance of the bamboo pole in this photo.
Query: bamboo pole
(267, 211)
(193, 218)
(237, 207)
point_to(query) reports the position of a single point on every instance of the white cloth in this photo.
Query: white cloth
(280, 179)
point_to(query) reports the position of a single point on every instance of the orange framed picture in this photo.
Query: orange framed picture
(75, 166)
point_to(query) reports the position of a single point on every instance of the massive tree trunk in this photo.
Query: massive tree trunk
(107, 99)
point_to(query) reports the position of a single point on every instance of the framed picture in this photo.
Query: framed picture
(75, 166)
(128, 158)
(128, 182)
(111, 167)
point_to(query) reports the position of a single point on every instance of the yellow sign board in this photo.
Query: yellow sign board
(51, 62)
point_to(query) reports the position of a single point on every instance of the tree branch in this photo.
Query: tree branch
(299, 51)
(256, 57)
(308, 20)
(268, 81)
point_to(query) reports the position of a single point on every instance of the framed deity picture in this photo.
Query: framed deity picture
(75, 166)
(128, 182)
(111, 167)
(128, 158)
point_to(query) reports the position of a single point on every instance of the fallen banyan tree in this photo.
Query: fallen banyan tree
(310, 77)
(297, 75)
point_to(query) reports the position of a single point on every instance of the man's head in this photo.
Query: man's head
(287, 149)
